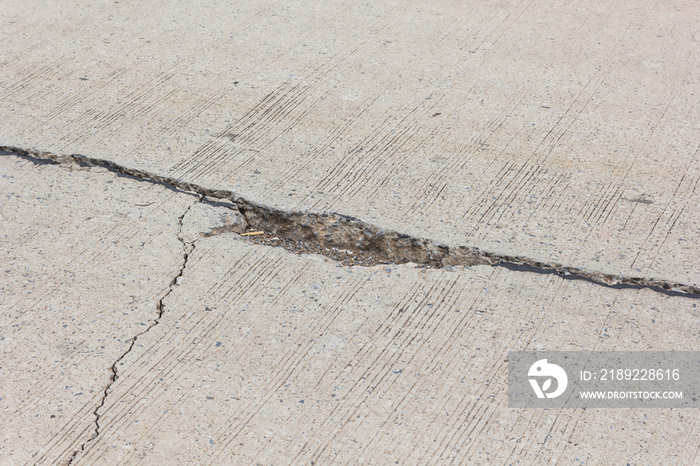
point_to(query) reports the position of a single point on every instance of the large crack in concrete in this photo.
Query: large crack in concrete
(187, 248)
(328, 233)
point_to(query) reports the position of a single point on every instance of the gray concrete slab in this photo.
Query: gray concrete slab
(565, 133)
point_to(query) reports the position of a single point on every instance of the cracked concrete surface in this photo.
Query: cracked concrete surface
(86, 258)
(560, 133)
(102, 262)
(187, 247)
(233, 352)
(270, 358)
(326, 233)
(480, 178)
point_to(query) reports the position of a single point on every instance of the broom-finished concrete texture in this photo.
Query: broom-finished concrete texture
(228, 352)
(139, 327)
(566, 133)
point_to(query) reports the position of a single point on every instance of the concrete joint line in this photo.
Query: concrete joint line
(187, 248)
(324, 232)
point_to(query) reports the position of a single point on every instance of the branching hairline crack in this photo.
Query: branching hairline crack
(326, 231)
(187, 248)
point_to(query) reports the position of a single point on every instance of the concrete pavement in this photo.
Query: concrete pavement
(155, 320)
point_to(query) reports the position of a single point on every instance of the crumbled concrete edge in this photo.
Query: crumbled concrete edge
(326, 232)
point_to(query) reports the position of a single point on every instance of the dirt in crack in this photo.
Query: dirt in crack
(187, 248)
(347, 257)
(354, 242)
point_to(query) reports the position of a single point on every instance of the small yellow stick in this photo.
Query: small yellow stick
(253, 233)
